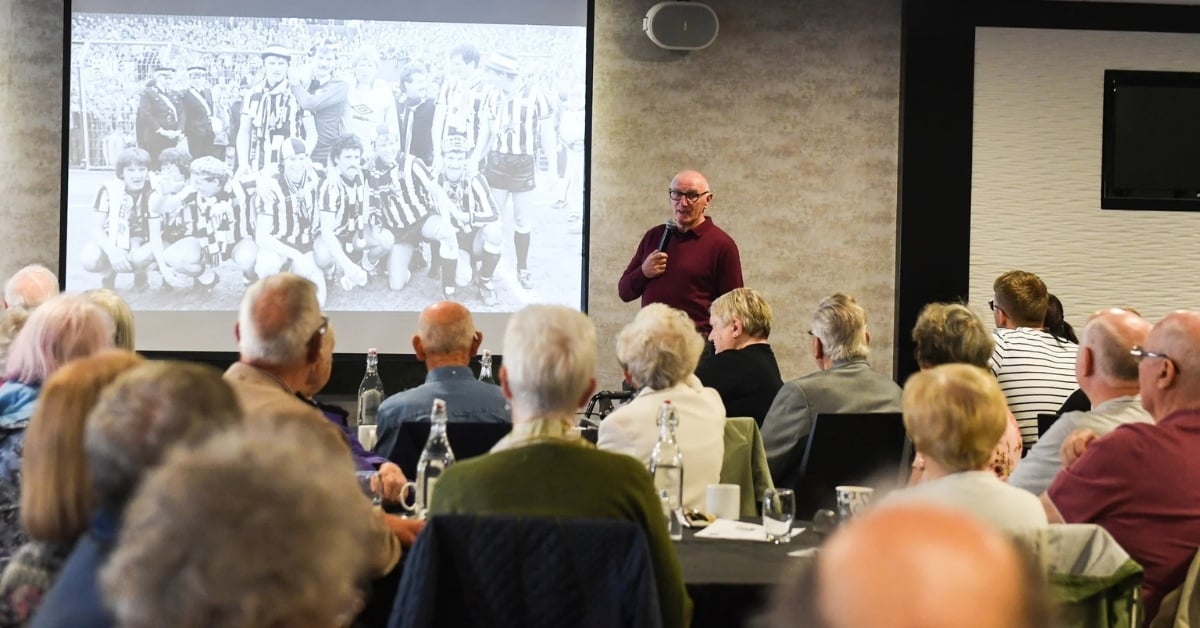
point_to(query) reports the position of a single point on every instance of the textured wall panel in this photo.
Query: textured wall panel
(1035, 194)
(31, 39)
(792, 113)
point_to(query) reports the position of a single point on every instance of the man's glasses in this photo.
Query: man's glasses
(692, 196)
(992, 304)
(323, 328)
(1140, 354)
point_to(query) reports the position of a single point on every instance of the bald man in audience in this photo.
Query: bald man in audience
(1108, 375)
(445, 341)
(915, 567)
(1141, 482)
(284, 342)
(25, 290)
(30, 287)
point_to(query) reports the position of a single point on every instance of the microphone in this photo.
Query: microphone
(671, 226)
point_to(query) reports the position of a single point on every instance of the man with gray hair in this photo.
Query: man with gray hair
(844, 384)
(544, 468)
(30, 287)
(145, 413)
(281, 334)
(1108, 375)
(1141, 482)
(446, 340)
(285, 348)
(25, 290)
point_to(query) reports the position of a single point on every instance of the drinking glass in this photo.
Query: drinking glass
(371, 485)
(779, 508)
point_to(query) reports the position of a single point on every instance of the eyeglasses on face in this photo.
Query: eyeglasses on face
(323, 328)
(692, 196)
(992, 304)
(1140, 354)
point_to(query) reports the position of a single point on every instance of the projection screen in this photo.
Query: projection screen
(394, 153)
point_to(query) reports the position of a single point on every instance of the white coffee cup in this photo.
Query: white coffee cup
(724, 500)
(366, 436)
(852, 500)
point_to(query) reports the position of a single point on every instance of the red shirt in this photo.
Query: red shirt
(702, 265)
(1141, 482)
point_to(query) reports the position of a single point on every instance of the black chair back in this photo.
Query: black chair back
(865, 449)
(1045, 421)
(527, 572)
(466, 439)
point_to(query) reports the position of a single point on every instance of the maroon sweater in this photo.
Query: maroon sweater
(702, 265)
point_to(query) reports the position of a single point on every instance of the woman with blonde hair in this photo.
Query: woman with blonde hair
(950, 333)
(954, 414)
(743, 369)
(119, 311)
(56, 499)
(64, 328)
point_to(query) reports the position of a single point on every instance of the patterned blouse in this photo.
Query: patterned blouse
(26, 580)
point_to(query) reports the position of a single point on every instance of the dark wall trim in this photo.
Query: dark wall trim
(933, 218)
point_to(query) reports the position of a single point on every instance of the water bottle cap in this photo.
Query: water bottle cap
(372, 351)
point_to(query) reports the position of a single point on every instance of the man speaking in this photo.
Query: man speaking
(687, 262)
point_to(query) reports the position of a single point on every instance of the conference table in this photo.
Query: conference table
(731, 581)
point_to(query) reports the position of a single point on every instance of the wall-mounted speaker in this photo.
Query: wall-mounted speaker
(681, 25)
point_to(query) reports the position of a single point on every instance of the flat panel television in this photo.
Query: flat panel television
(1151, 140)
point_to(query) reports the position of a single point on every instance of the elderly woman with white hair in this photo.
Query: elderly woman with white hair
(658, 353)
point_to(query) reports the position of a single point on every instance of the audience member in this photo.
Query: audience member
(23, 292)
(285, 347)
(139, 418)
(954, 414)
(119, 311)
(915, 566)
(949, 333)
(658, 353)
(1056, 322)
(544, 468)
(445, 341)
(347, 431)
(1036, 370)
(65, 328)
(56, 492)
(844, 383)
(1141, 482)
(202, 543)
(30, 287)
(743, 369)
(1108, 374)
